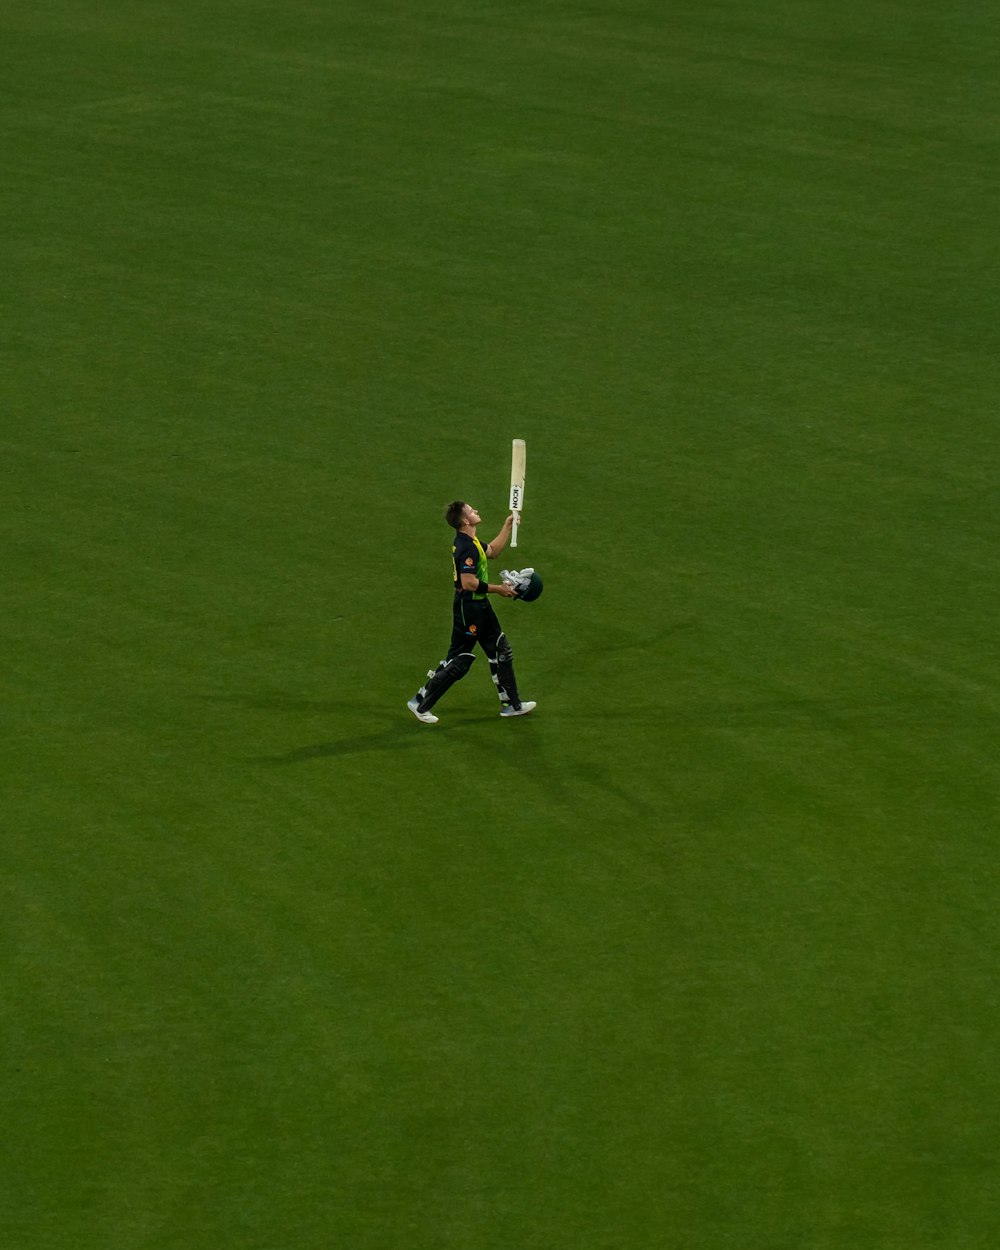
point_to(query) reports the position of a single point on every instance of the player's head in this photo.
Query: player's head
(454, 514)
(460, 513)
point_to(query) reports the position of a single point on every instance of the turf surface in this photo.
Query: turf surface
(704, 953)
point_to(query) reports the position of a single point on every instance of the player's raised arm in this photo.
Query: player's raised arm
(494, 548)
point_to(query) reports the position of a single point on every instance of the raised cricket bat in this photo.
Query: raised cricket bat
(517, 455)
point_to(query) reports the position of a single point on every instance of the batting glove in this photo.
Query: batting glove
(518, 579)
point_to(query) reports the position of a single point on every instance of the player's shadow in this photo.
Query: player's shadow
(395, 738)
(275, 701)
(404, 734)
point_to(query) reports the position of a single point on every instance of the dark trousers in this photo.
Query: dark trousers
(473, 621)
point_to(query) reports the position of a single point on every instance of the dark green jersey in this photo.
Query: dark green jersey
(469, 557)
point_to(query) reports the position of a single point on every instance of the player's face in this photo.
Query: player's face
(472, 517)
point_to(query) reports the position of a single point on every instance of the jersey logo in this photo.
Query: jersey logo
(470, 562)
(472, 629)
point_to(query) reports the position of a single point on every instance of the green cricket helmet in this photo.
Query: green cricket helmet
(533, 589)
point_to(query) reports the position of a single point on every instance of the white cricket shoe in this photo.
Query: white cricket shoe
(428, 718)
(523, 710)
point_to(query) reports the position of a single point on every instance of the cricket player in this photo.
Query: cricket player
(474, 620)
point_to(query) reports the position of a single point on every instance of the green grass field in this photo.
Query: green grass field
(701, 956)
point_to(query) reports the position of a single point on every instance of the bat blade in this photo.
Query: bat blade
(517, 464)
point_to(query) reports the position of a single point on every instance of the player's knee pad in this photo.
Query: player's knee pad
(504, 652)
(461, 664)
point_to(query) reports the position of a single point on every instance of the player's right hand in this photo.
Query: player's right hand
(507, 591)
